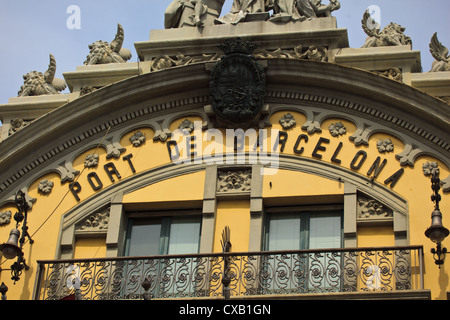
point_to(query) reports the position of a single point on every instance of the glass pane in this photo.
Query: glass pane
(284, 232)
(325, 230)
(184, 235)
(144, 238)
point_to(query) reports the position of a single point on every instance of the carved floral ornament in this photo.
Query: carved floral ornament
(372, 209)
(337, 129)
(385, 145)
(5, 217)
(91, 161)
(98, 221)
(137, 139)
(234, 180)
(429, 168)
(288, 121)
(187, 126)
(45, 186)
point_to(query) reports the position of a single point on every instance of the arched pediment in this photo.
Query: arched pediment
(319, 90)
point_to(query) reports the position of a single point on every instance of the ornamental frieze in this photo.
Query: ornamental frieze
(234, 181)
(97, 222)
(370, 209)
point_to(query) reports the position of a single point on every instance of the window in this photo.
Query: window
(173, 233)
(300, 228)
(163, 235)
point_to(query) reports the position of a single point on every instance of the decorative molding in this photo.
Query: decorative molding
(312, 124)
(137, 139)
(17, 125)
(234, 180)
(392, 73)
(45, 186)
(97, 222)
(429, 168)
(315, 53)
(385, 145)
(361, 136)
(187, 126)
(369, 209)
(113, 148)
(337, 129)
(88, 89)
(166, 62)
(91, 161)
(409, 155)
(5, 217)
(288, 121)
(67, 171)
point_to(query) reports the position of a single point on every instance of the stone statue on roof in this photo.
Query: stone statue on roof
(241, 8)
(38, 83)
(102, 52)
(440, 53)
(181, 13)
(391, 35)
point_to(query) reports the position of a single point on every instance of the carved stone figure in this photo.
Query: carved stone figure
(440, 53)
(176, 17)
(248, 6)
(38, 83)
(300, 10)
(102, 52)
(391, 35)
(241, 8)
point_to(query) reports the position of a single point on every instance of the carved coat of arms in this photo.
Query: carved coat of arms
(237, 86)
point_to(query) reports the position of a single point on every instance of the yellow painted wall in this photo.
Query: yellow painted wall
(376, 237)
(88, 248)
(294, 188)
(178, 192)
(236, 215)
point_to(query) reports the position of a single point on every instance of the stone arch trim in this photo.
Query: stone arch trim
(147, 98)
(112, 197)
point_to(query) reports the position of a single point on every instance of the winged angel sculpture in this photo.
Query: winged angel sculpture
(391, 35)
(38, 83)
(440, 53)
(102, 52)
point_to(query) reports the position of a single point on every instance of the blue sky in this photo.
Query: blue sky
(30, 30)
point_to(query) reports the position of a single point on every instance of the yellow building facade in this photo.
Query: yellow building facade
(324, 193)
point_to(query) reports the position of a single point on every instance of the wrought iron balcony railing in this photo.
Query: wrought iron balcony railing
(249, 274)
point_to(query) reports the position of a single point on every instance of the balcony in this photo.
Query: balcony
(331, 273)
